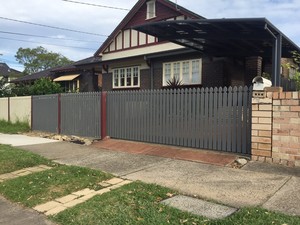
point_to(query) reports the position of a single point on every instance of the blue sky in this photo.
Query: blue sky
(284, 14)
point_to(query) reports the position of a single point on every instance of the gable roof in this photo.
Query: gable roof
(52, 72)
(136, 8)
(33, 77)
(6, 71)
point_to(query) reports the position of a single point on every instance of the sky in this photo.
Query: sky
(96, 23)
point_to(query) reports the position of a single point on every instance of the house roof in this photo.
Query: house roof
(87, 61)
(132, 13)
(60, 69)
(35, 76)
(8, 72)
(222, 37)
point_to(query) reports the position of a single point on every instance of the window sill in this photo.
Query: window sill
(125, 88)
(151, 18)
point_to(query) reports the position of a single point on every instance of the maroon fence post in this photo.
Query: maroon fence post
(59, 114)
(103, 115)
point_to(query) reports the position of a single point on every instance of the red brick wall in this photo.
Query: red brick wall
(276, 128)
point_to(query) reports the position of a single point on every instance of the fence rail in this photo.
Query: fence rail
(217, 119)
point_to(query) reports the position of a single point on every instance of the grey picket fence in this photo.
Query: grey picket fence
(45, 113)
(70, 114)
(215, 118)
(81, 114)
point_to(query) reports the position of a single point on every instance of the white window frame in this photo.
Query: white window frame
(190, 71)
(134, 72)
(151, 10)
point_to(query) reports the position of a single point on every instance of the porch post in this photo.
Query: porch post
(278, 59)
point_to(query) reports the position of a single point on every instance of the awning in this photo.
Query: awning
(222, 37)
(227, 38)
(66, 78)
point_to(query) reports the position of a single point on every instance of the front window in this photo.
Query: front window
(128, 77)
(188, 72)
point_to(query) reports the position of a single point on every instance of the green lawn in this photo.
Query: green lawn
(139, 203)
(13, 128)
(12, 159)
(37, 188)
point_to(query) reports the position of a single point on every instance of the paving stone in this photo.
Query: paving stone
(24, 174)
(36, 169)
(66, 199)
(87, 197)
(47, 206)
(200, 207)
(19, 171)
(7, 176)
(104, 184)
(114, 187)
(45, 167)
(102, 191)
(114, 181)
(125, 182)
(73, 203)
(56, 210)
(85, 191)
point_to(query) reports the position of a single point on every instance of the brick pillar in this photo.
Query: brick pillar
(253, 68)
(261, 126)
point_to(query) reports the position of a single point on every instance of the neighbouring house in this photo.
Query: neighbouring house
(159, 40)
(80, 76)
(8, 73)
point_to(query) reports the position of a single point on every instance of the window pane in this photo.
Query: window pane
(186, 72)
(196, 76)
(167, 74)
(135, 76)
(116, 78)
(176, 70)
(122, 77)
(128, 77)
(150, 10)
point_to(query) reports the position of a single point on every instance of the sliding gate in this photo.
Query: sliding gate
(215, 119)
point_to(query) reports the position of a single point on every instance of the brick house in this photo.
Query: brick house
(80, 76)
(137, 58)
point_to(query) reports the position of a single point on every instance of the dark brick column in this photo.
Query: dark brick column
(253, 68)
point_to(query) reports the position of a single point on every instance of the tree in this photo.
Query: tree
(39, 59)
(296, 78)
(5, 91)
(43, 86)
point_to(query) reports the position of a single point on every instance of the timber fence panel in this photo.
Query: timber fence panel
(45, 113)
(81, 114)
(20, 109)
(4, 109)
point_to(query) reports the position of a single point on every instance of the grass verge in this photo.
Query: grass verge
(13, 128)
(139, 203)
(12, 159)
(37, 188)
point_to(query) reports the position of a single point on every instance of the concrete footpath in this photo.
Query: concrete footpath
(272, 187)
